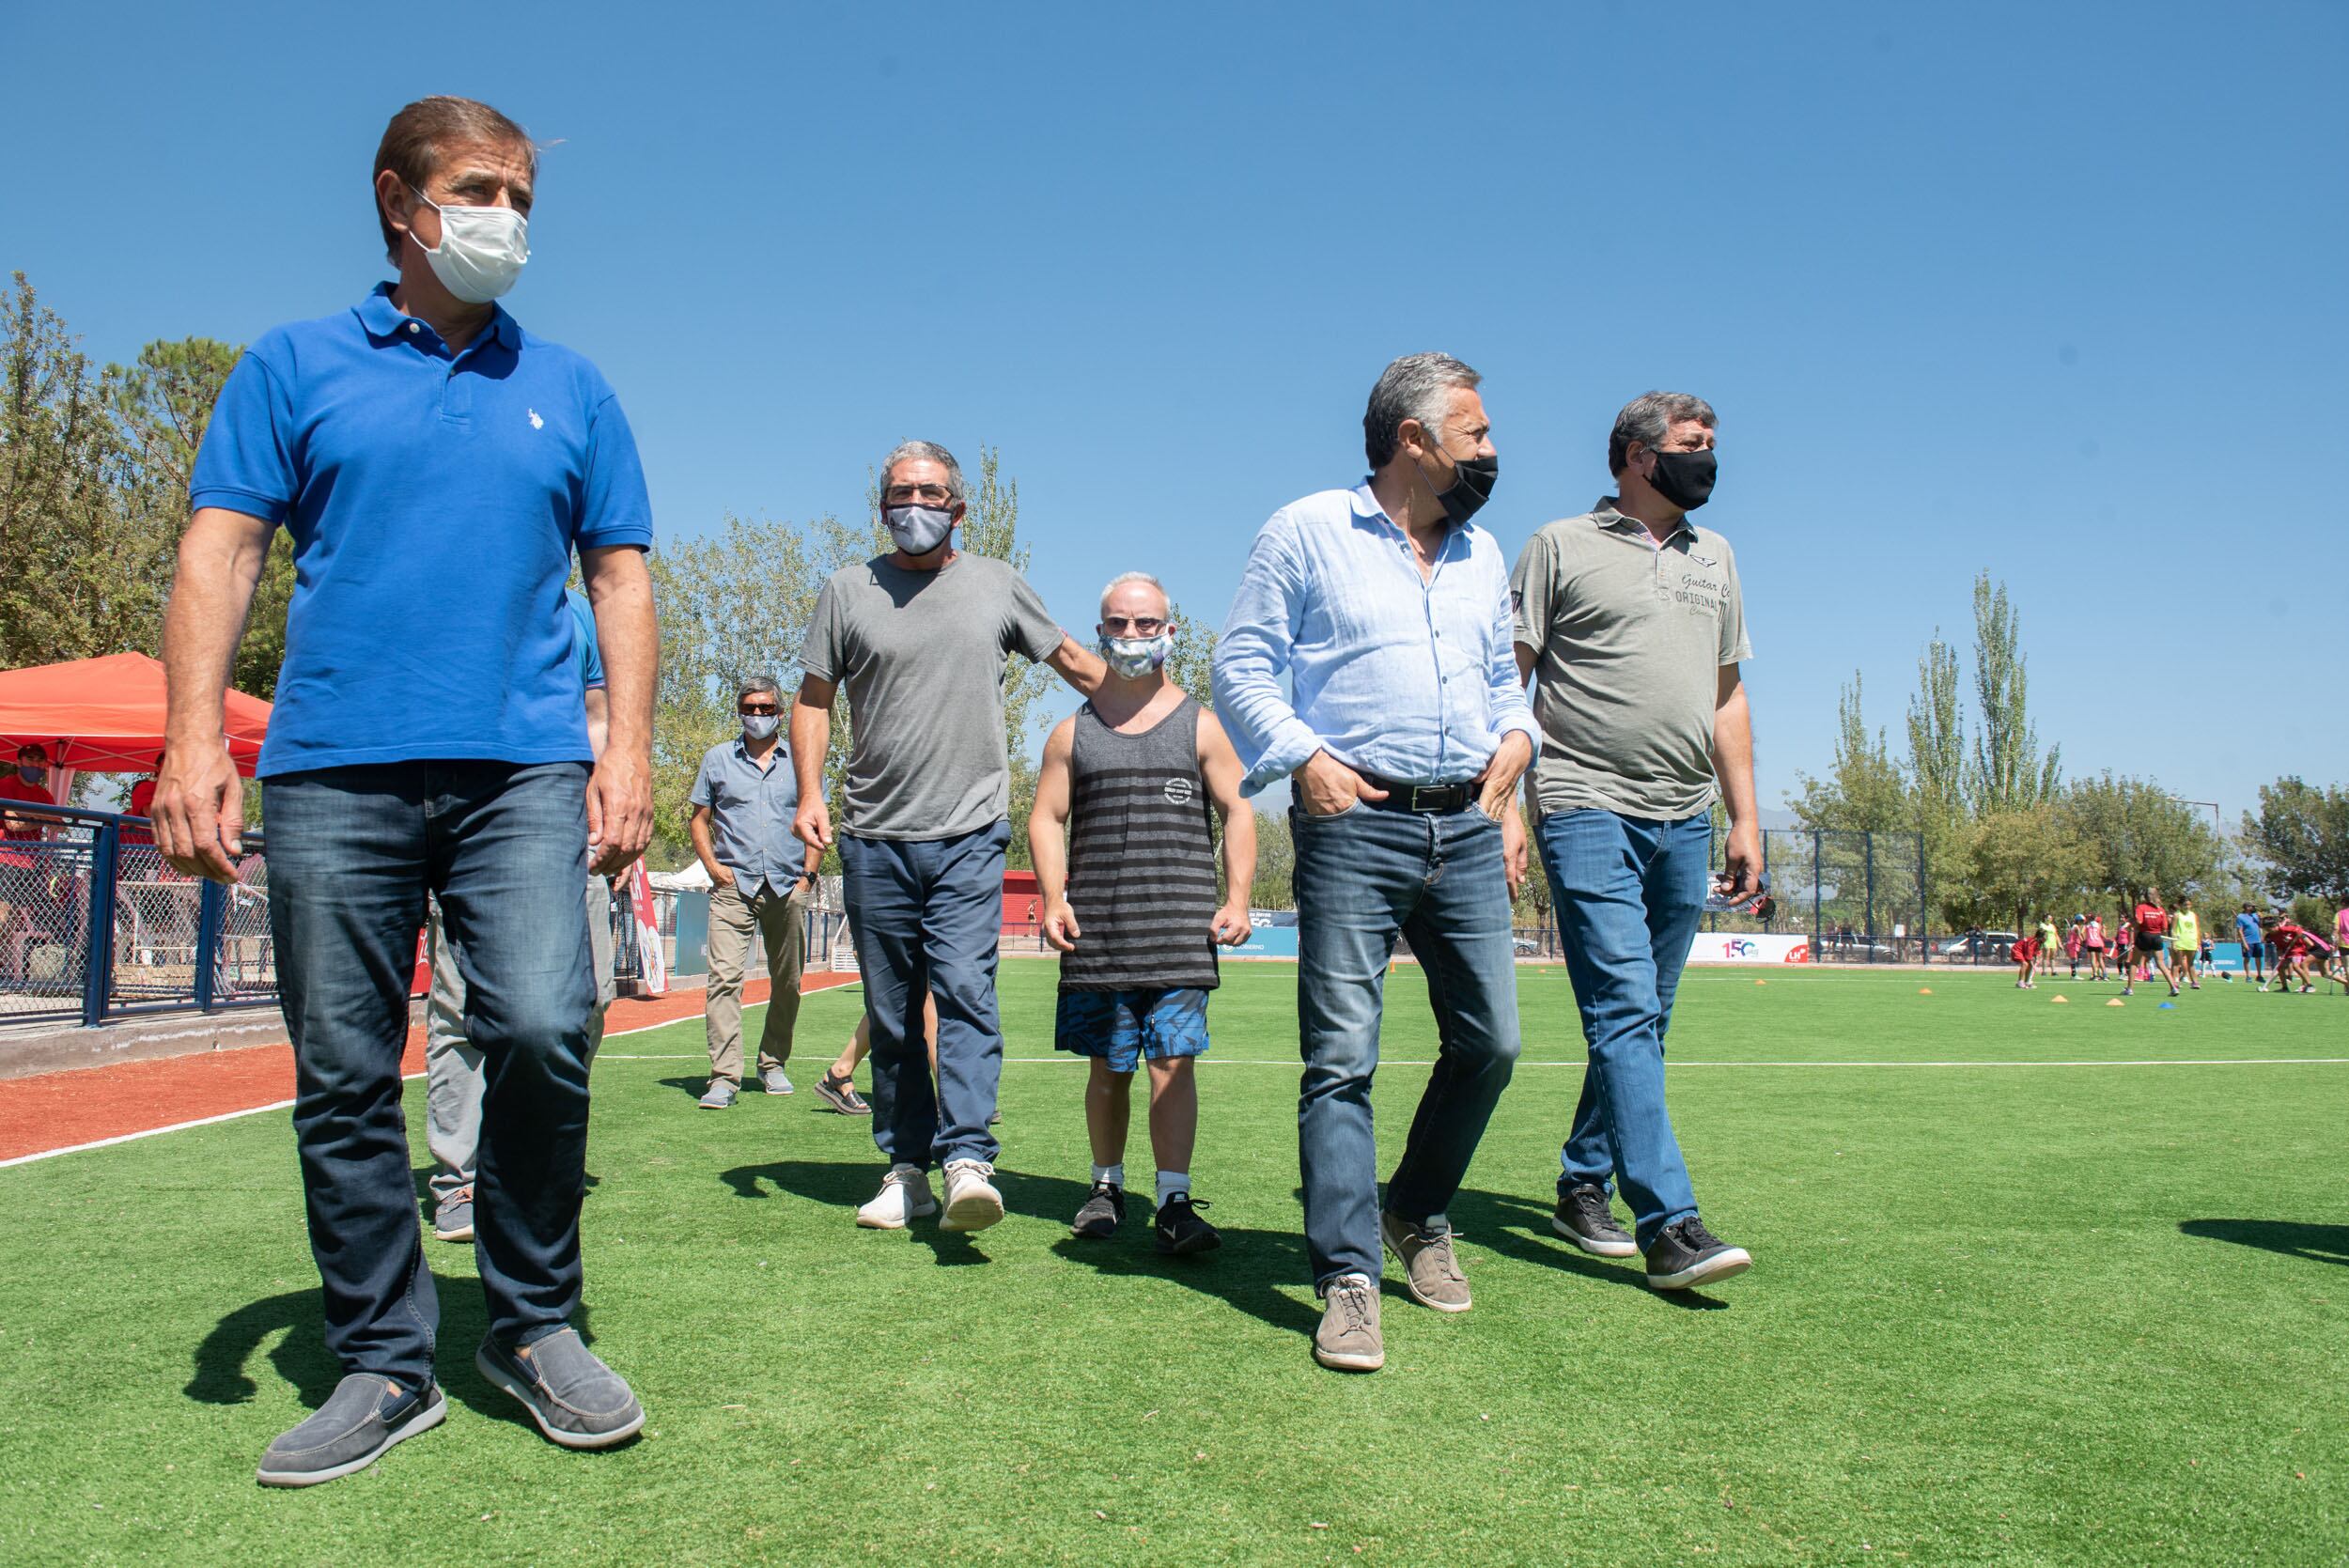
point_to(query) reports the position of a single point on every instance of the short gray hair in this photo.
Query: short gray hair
(927, 450)
(1417, 386)
(1648, 418)
(758, 684)
(1124, 577)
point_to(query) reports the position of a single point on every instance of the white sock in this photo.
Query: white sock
(1114, 1174)
(1172, 1182)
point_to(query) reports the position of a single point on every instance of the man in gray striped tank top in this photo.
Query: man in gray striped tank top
(1123, 842)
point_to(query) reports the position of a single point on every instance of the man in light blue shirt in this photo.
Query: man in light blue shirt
(1404, 734)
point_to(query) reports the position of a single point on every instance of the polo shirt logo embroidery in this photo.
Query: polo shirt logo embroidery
(539, 423)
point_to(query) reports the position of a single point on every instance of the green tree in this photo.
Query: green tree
(2023, 864)
(1275, 885)
(2301, 834)
(2139, 836)
(2007, 772)
(1191, 662)
(733, 603)
(80, 582)
(1937, 771)
(1863, 790)
(163, 404)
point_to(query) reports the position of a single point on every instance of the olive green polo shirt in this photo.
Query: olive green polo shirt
(1629, 638)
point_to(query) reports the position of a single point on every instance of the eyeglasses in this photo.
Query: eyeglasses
(1138, 626)
(935, 495)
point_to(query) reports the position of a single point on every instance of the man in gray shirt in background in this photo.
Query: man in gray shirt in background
(920, 638)
(1633, 619)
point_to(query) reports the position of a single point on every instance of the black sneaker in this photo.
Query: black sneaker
(1181, 1232)
(1585, 1219)
(1689, 1254)
(1103, 1211)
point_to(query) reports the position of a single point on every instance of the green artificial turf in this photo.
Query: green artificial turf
(2014, 1313)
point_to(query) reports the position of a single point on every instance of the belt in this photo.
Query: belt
(1426, 799)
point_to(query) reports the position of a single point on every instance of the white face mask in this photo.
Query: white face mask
(918, 529)
(1133, 658)
(481, 252)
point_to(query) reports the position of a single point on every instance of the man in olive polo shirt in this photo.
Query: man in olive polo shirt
(1632, 617)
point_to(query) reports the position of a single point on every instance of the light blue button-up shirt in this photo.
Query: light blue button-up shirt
(1405, 676)
(749, 816)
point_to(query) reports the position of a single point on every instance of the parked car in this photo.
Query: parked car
(1991, 945)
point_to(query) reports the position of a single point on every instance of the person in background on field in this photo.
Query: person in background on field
(2292, 944)
(2073, 936)
(1122, 839)
(1633, 616)
(2093, 943)
(424, 450)
(2253, 939)
(760, 878)
(2048, 941)
(2186, 946)
(2150, 924)
(1367, 659)
(2024, 953)
(454, 1067)
(921, 638)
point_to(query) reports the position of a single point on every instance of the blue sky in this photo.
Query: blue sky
(2052, 290)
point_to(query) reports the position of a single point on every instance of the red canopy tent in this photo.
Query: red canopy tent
(106, 715)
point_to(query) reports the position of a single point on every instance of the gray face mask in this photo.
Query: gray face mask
(918, 529)
(759, 726)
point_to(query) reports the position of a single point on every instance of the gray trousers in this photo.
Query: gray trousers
(453, 1073)
(781, 920)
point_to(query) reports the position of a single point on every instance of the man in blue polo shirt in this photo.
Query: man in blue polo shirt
(437, 467)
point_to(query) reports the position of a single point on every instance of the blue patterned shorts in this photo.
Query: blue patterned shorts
(1123, 1027)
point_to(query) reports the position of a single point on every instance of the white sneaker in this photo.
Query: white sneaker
(904, 1198)
(971, 1201)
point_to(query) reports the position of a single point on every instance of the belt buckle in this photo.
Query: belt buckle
(1437, 790)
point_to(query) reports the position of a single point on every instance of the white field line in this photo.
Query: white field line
(281, 1105)
(1070, 1060)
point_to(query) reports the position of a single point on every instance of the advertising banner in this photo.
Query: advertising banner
(1744, 947)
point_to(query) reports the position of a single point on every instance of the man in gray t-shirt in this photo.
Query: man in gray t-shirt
(920, 638)
(1633, 620)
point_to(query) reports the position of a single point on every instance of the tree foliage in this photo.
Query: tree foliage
(2302, 834)
(2007, 772)
(2139, 836)
(94, 469)
(1864, 790)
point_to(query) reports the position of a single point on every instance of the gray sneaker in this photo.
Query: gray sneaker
(452, 1218)
(775, 1082)
(719, 1096)
(366, 1414)
(577, 1401)
(1348, 1339)
(1431, 1275)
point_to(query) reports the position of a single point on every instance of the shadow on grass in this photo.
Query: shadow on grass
(1246, 1272)
(301, 1359)
(1510, 1226)
(2292, 1237)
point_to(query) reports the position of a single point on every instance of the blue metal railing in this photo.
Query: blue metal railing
(94, 924)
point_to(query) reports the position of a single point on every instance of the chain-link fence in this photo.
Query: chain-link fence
(93, 924)
(1856, 898)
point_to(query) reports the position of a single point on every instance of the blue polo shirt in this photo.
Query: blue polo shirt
(584, 654)
(434, 500)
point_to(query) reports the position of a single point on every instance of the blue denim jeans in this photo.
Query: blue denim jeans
(1363, 877)
(1629, 894)
(353, 853)
(926, 914)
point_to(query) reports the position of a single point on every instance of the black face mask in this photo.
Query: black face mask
(1471, 486)
(1685, 478)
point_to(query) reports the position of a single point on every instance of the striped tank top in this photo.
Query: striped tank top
(1140, 858)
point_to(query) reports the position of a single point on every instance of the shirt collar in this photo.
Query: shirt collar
(386, 324)
(1366, 505)
(742, 746)
(1610, 516)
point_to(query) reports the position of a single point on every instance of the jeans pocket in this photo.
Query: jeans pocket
(1352, 806)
